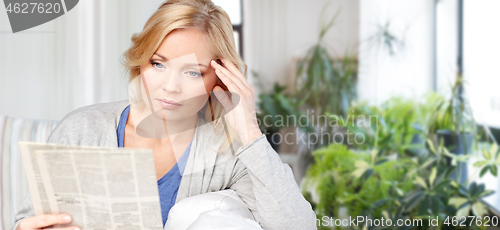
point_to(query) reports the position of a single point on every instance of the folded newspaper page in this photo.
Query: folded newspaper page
(102, 188)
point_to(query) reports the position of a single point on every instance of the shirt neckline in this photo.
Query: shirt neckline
(180, 165)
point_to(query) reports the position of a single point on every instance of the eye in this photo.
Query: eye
(156, 65)
(194, 74)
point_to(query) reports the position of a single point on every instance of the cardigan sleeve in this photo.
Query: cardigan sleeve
(25, 210)
(268, 187)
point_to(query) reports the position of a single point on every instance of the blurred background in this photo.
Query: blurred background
(425, 69)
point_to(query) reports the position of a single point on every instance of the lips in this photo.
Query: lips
(168, 104)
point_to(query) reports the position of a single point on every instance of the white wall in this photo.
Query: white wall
(410, 72)
(74, 60)
(278, 31)
(70, 62)
(447, 44)
(274, 33)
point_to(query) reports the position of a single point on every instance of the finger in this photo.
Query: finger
(231, 85)
(220, 70)
(223, 97)
(231, 67)
(47, 220)
(67, 228)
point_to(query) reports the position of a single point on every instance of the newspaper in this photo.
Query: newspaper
(101, 188)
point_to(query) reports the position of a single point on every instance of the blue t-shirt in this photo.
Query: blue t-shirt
(168, 185)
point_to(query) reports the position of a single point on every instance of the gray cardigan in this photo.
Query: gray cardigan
(255, 172)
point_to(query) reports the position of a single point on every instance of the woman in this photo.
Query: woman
(185, 51)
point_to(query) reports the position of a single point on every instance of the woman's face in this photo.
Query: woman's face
(178, 76)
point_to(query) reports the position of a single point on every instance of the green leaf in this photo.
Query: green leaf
(380, 202)
(432, 177)
(418, 180)
(479, 209)
(484, 171)
(373, 154)
(368, 173)
(386, 214)
(486, 154)
(479, 190)
(358, 172)
(413, 199)
(361, 164)
(434, 204)
(473, 188)
(494, 170)
(464, 211)
(424, 205)
(463, 158)
(431, 146)
(427, 163)
(399, 191)
(494, 148)
(481, 163)
(457, 201)
(381, 161)
(447, 153)
(486, 193)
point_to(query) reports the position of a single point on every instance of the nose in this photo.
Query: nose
(171, 82)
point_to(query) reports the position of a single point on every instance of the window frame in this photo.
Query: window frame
(239, 29)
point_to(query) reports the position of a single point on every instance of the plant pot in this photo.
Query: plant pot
(460, 144)
(323, 136)
(418, 143)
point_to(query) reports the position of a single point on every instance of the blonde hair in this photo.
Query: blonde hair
(203, 15)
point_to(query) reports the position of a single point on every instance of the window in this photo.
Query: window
(480, 59)
(476, 21)
(234, 9)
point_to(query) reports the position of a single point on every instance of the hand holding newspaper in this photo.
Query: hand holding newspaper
(100, 187)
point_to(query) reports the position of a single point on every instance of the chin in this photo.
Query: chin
(175, 114)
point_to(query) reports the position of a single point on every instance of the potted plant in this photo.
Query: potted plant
(454, 125)
(398, 125)
(343, 182)
(275, 107)
(366, 180)
(327, 85)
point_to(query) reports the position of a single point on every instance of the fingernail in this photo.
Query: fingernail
(213, 62)
(67, 218)
(217, 71)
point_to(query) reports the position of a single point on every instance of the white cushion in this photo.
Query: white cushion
(214, 210)
(217, 219)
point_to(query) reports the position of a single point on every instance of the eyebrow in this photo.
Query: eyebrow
(163, 58)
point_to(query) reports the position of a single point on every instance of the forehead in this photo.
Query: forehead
(182, 42)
